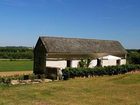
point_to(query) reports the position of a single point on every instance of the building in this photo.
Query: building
(63, 52)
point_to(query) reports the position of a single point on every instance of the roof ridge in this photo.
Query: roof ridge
(75, 38)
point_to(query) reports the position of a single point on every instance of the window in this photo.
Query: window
(118, 62)
(68, 63)
(99, 62)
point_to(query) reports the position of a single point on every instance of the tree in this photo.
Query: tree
(84, 63)
(134, 57)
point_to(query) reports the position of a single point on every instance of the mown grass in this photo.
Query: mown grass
(107, 90)
(17, 65)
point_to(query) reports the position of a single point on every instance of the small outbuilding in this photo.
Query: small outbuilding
(60, 52)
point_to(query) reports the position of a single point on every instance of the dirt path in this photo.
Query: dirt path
(15, 73)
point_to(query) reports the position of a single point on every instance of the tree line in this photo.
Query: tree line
(133, 56)
(16, 52)
(20, 52)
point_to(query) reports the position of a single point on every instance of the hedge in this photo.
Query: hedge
(98, 71)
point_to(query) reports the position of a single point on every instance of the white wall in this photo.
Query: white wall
(63, 63)
(123, 61)
(60, 64)
(74, 63)
(113, 62)
(93, 63)
(110, 62)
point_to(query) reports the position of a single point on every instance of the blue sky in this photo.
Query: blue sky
(23, 21)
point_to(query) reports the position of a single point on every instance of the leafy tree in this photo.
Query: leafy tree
(133, 56)
(84, 63)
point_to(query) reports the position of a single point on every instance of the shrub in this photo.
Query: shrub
(32, 77)
(84, 62)
(98, 71)
(53, 77)
(5, 80)
(25, 77)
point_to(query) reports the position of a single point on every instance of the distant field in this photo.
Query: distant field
(18, 65)
(106, 90)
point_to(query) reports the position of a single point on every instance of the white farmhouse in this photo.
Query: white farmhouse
(60, 52)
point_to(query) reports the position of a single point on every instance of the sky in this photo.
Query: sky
(23, 21)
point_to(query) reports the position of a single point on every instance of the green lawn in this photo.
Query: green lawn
(107, 90)
(18, 65)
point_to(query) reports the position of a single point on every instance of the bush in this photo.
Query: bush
(5, 80)
(26, 77)
(98, 71)
(133, 57)
(32, 77)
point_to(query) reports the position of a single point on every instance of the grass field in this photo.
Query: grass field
(107, 90)
(17, 65)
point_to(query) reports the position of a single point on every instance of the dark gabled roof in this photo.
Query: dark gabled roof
(81, 46)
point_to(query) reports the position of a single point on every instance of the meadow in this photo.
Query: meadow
(104, 90)
(16, 65)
